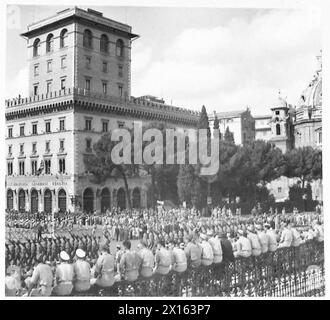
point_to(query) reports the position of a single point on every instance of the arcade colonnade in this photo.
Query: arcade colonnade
(91, 199)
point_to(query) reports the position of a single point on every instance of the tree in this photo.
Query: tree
(304, 163)
(229, 136)
(101, 166)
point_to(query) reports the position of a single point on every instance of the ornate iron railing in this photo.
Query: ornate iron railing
(286, 272)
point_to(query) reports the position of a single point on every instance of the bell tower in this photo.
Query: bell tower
(281, 125)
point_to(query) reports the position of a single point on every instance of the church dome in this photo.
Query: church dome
(312, 95)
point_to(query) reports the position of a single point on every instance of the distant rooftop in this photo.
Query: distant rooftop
(89, 15)
(228, 114)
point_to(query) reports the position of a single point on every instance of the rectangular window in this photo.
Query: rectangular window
(88, 84)
(21, 148)
(10, 148)
(88, 62)
(49, 66)
(34, 128)
(320, 137)
(121, 124)
(88, 124)
(88, 145)
(63, 62)
(21, 130)
(104, 87)
(105, 126)
(49, 87)
(63, 84)
(62, 125)
(21, 165)
(36, 69)
(61, 145)
(277, 112)
(105, 66)
(120, 90)
(9, 168)
(61, 165)
(34, 167)
(34, 147)
(35, 89)
(10, 132)
(120, 71)
(47, 146)
(47, 166)
(48, 126)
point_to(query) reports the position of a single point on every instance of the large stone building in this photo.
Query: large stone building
(241, 123)
(263, 130)
(79, 83)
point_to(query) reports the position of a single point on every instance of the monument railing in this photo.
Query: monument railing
(287, 272)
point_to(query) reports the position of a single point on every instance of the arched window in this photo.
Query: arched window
(105, 199)
(88, 200)
(87, 41)
(136, 198)
(21, 201)
(50, 43)
(36, 44)
(104, 43)
(10, 199)
(63, 38)
(121, 199)
(34, 201)
(62, 200)
(120, 48)
(48, 201)
(278, 129)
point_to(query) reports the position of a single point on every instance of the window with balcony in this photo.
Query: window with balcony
(61, 165)
(9, 168)
(47, 166)
(21, 167)
(34, 167)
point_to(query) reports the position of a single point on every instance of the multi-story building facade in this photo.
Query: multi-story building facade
(79, 85)
(263, 129)
(240, 123)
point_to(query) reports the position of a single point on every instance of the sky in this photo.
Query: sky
(225, 59)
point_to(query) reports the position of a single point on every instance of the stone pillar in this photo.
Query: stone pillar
(129, 196)
(54, 201)
(97, 202)
(114, 196)
(27, 200)
(15, 199)
(40, 200)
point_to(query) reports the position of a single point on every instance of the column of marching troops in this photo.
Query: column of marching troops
(69, 265)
